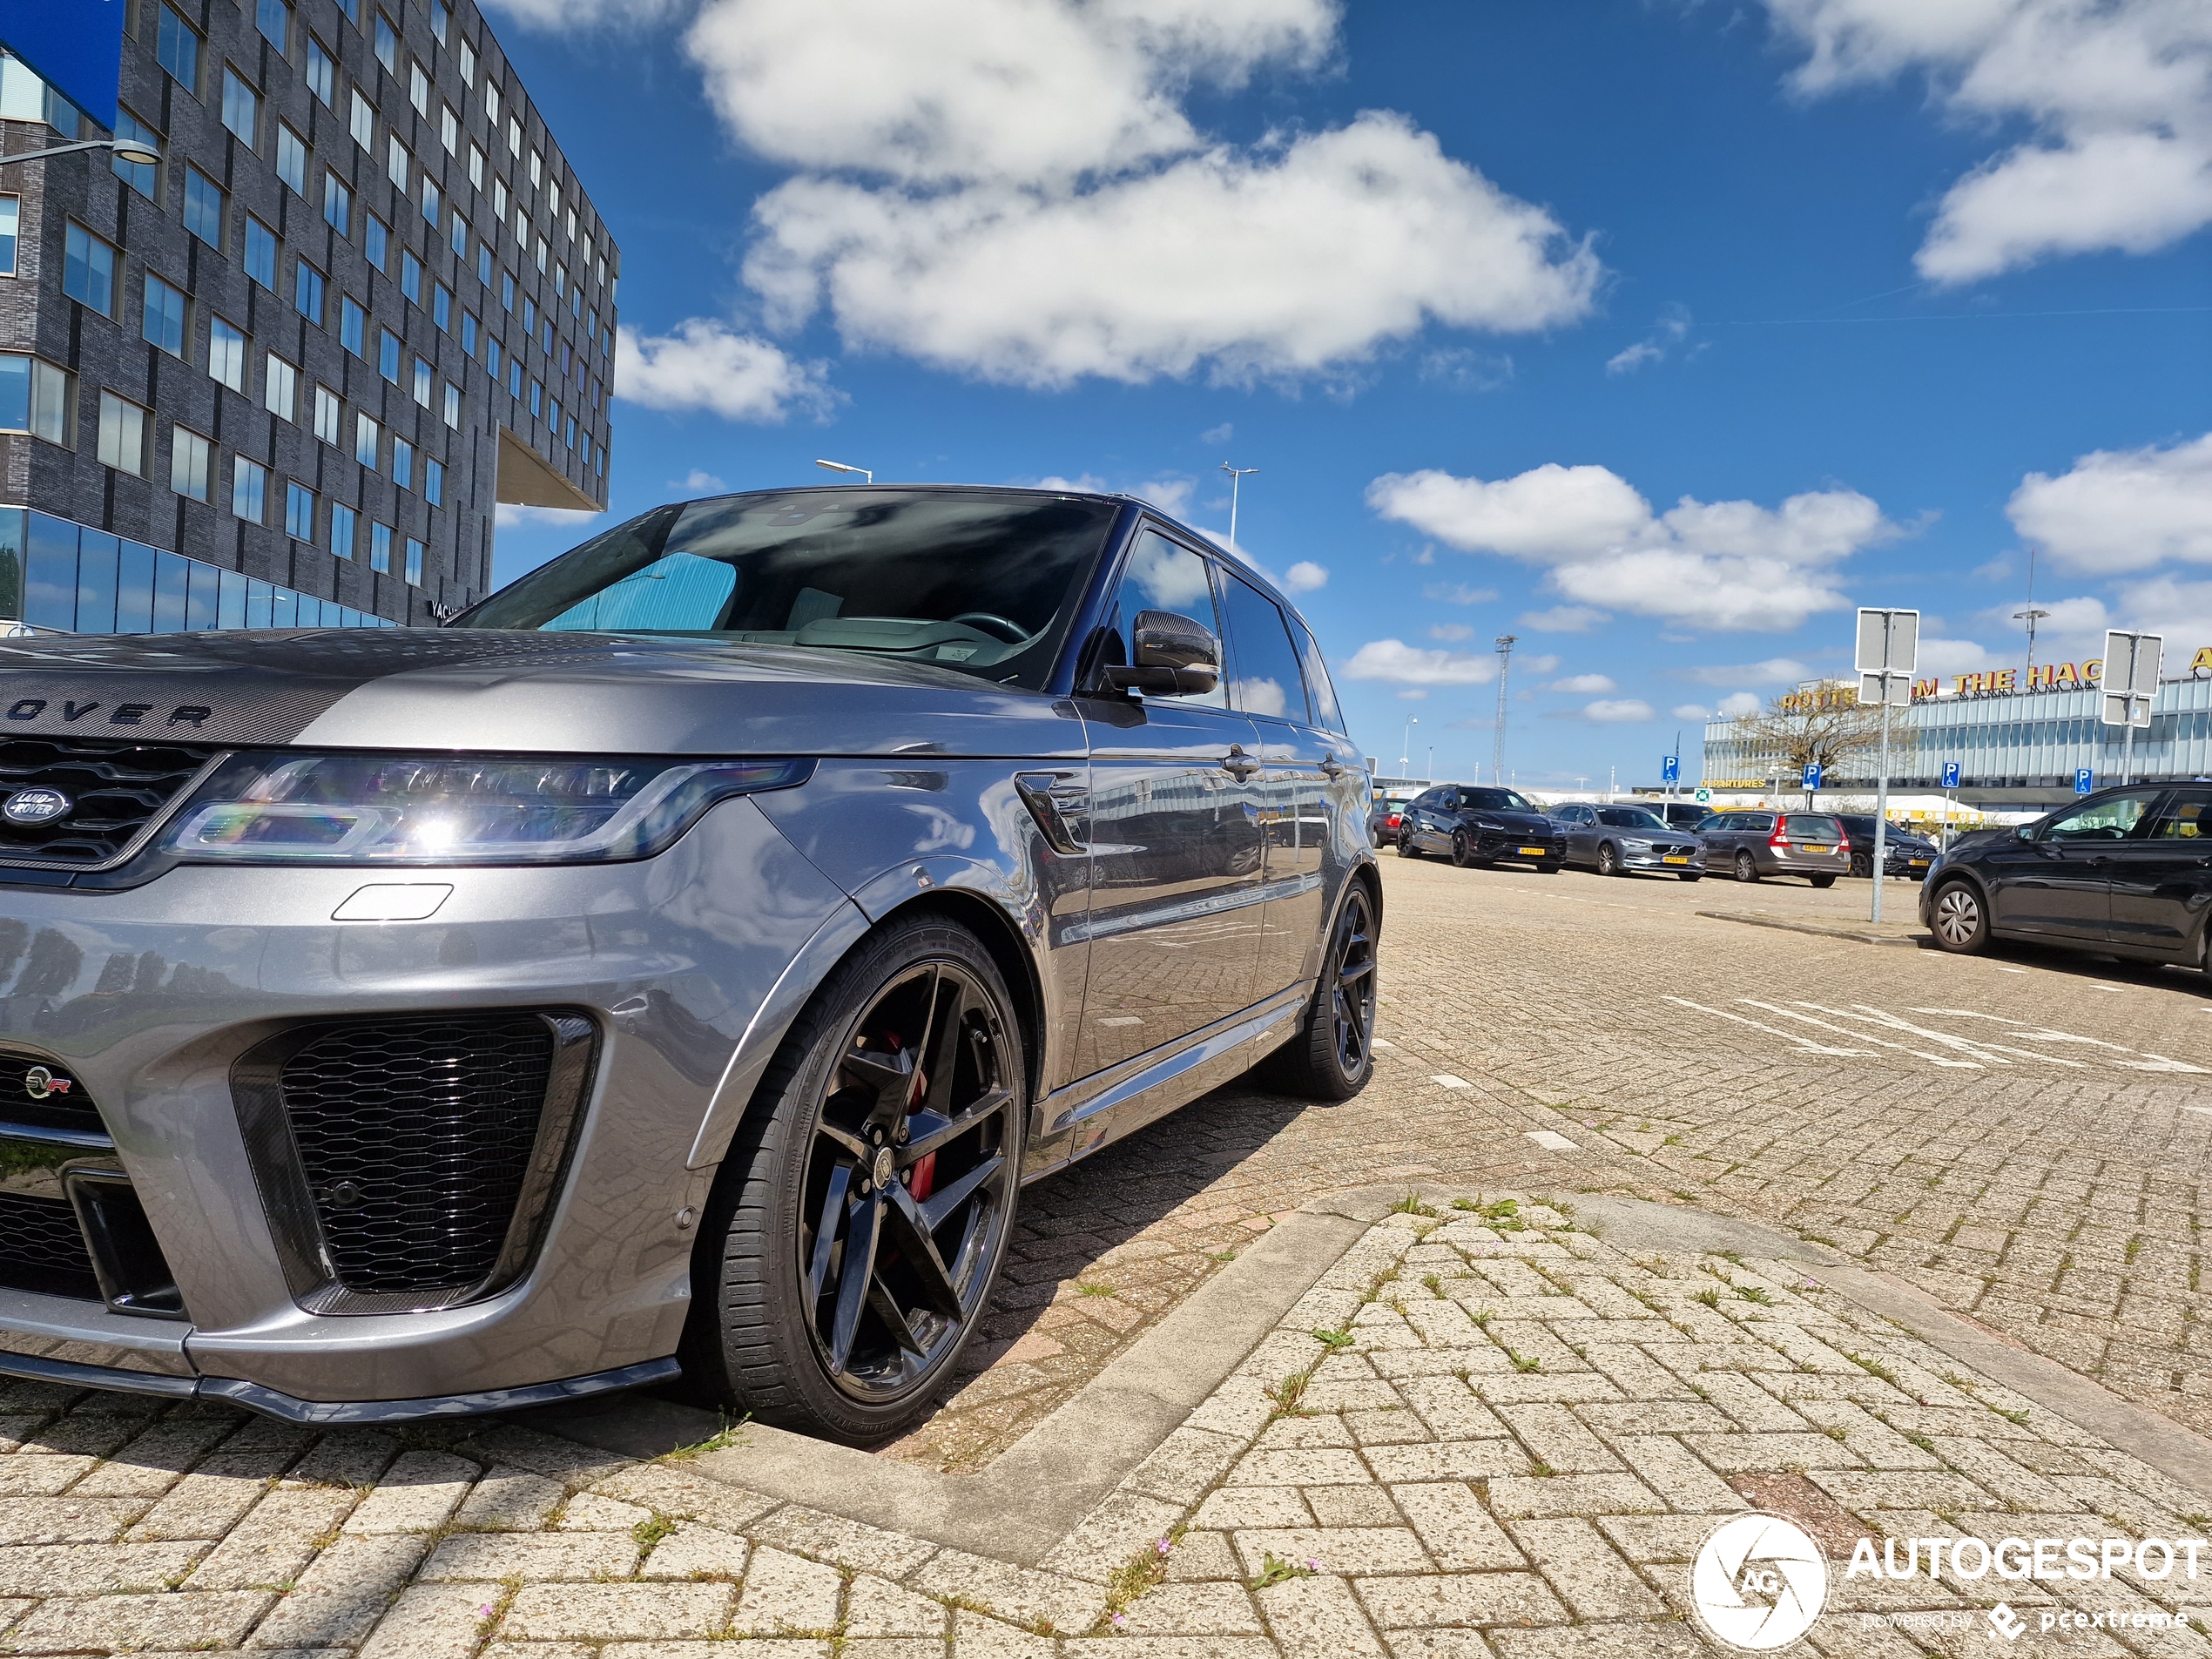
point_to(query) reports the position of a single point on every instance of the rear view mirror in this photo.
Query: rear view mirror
(1174, 655)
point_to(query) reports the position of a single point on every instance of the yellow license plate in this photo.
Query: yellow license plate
(1533, 852)
(1919, 863)
(1810, 848)
(1676, 858)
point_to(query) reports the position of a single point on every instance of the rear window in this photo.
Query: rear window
(1807, 827)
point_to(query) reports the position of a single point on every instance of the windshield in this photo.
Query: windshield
(982, 581)
(1495, 800)
(1627, 818)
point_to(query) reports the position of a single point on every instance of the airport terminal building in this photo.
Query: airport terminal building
(2018, 742)
(281, 377)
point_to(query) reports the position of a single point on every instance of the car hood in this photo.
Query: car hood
(545, 693)
(1534, 826)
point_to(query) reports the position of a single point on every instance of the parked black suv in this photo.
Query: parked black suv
(1478, 826)
(2126, 872)
(1905, 853)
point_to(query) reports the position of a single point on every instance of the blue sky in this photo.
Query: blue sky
(1656, 335)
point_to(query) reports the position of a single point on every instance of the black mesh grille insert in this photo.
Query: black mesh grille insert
(41, 1248)
(114, 789)
(415, 1136)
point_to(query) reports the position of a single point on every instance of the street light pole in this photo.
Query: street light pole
(838, 466)
(1505, 662)
(126, 150)
(1237, 475)
(1406, 747)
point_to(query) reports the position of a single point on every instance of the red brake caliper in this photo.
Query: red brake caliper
(922, 1180)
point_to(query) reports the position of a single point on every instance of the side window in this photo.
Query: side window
(1163, 575)
(1268, 680)
(1327, 713)
(2185, 815)
(2114, 819)
(1755, 823)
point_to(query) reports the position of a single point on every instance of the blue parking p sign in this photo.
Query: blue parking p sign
(1670, 769)
(1812, 774)
(1951, 774)
(2085, 781)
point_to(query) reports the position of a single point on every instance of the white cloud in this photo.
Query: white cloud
(1458, 593)
(1313, 254)
(1564, 619)
(1737, 706)
(1395, 661)
(1415, 695)
(701, 483)
(1618, 710)
(1171, 495)
(2182, 611)
(1543, 665)
(1671, 329)
(1773, 670)
(2118, 93)
(1450, 632)
(1221, 433)
(1690, 711)
(1461, 369)
(576, 16)
(1304, 577)
(1723, 564)
(1586, 685)
(1634, 358)
(705, 364)
(2124, 509)
(1939, 656)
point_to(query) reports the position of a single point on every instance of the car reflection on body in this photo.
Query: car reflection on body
(678, 963)
(1618, 840)
(1475, 825)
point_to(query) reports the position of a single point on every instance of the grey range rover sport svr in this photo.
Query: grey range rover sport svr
(672, 967)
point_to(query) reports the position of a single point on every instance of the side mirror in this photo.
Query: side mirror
(2026, 832)
(1175, 655)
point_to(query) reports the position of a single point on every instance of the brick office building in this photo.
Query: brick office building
(282, 377)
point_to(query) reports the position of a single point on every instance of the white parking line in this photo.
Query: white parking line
(1806, 1044)
(1449, 1082)
(1918, 1053)
(1551, 1139)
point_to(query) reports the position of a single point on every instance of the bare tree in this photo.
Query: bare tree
(1824, 725)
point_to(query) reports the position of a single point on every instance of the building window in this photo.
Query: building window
(122, 435)
(453, 406)
(537, 397)
(422, 382)
(367, 439)
(491, 105)
(530, 316)
(35, 397)
(337, 205)
(387, 46)
(380, 547)
(491, 359)
(306, 293)
(468, 64)
(475, 168)
(364, 122)
(279, 387)
(273, 18)
(414, 563)
(441, 306)
(537, 168)
(292, 160)
(418, 90)
(343, 521)
(403, 463)
(88, 270)
(469, 334)
(570, 439)
(376, 237)
(458, 236)
(411, 277)
(299, 512)
(440, 20)
(260, 253)
(352, 325)
(434, 481)
(542, 251)
(499, 199)
(226, 351)
(483, 263)
(450, 130)
(514, 136)
(175, 48)
(328, 411)
(322, 78)
(11, 219)
(162, 321)
(203, 207)
(353, 10)
(142, 176)
(396, 160)
(507, 292)
(514, 377)
(192, 458)
(249, 489)
(553, 417)
(388, 356)
(433, 202)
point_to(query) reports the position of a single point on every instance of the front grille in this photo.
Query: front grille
(41, 1248)
(115, 788)
(69, 1108)
(415, 1136)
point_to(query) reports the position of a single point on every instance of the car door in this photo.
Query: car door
(1302, 764)
(1177, 851)
(2056, 882)
(1423, 814)
(2161, 875)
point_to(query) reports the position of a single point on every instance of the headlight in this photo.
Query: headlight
(291, 808)
(1637, 846)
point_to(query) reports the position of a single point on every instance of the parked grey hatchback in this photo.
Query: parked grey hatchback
(1752, 845)
(677, 964)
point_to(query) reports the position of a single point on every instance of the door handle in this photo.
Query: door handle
(1238, 765)
(1333, 768)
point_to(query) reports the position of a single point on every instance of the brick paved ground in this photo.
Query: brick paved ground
(2032, 1153)
(1481, 1434)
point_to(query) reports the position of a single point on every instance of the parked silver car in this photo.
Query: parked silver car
(1617, 840)
(679, 961)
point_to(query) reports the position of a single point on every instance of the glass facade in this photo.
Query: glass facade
(61, 576)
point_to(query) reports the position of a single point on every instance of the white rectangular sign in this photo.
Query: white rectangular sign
(1888, 641)
(2130, 682)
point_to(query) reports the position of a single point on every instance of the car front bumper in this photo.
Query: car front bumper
(1663, 863)
(149, 997)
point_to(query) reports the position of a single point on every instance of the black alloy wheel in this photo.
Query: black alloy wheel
(1332, 1056)
(1745, 869)
(1862, 864)
(1462, 850)
(863, 1213)
(1406, 848)
(1822, 880)
(1608, 861)
(1959, 923)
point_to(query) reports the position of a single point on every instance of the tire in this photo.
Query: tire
(1332, 1056)
(1608, 861)
(1745, 869)
(1407, 849)
(1960, 923)
(788, 1325)
(1462, 854)
(1863, 867)
(1822, 880)
(1689, 876)
(1551, 869)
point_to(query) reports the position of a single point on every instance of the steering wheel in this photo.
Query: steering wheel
(1014, 634)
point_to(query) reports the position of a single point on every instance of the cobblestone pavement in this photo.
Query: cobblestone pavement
(1481, 1433)
(2023, 1136)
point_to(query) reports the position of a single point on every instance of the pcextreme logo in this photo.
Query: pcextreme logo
(1759, 1583)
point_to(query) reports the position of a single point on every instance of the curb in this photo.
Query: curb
(1915, 941)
